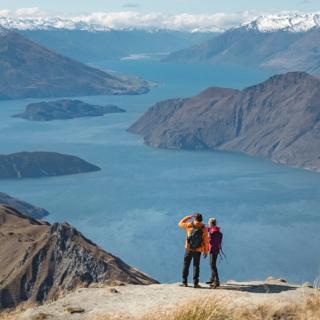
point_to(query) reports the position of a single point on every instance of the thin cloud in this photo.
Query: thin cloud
(131, 5)
(28, 12)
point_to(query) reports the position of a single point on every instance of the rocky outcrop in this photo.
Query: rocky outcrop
(30, 70)
(24, 207)
(39, 261)
(41, 164)
(278, 119)
(65, 109)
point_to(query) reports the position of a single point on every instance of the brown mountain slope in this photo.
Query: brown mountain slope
(30, 70)
(39, 260)
(278, 119)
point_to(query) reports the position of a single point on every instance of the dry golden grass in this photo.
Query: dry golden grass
(311, 308)
(213, 309)
(210, 309)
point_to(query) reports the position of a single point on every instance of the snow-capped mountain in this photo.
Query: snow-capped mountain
(3, 32)
(291, 22)
(286, 42)
(47, 23)
(106, 21)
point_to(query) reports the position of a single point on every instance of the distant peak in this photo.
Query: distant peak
(3, 31)
(291, 22)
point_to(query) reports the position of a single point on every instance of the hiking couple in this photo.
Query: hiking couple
(201, 240)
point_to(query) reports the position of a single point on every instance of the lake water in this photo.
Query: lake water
(269, 213)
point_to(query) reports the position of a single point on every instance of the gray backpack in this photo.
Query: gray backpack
(195, 238)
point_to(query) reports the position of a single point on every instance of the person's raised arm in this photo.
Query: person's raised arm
(184, 222)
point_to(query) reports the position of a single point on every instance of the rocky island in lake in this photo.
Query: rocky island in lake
(278, 119)
(42, 164)
(65, 109)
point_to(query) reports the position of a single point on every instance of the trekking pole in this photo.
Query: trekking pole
(225, 257)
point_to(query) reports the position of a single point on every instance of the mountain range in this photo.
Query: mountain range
(289, 21)
(92, 38)
(40, 261)
(278, 119)
(31, 70)
(280, 43)
(283, 42)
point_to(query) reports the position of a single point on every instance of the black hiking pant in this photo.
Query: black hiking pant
(188, 257)
(214, 269)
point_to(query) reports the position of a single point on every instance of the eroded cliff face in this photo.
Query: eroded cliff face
(39, 261)
(278, 119)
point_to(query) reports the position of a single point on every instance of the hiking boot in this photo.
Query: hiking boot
(184, 284)
(209, 282)
(197, 286)
(214, 285)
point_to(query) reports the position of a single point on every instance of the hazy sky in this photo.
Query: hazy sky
(168, 6)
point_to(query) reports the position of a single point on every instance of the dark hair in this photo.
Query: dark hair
(198, 217)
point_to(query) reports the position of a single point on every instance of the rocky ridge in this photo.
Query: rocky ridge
(40, 261)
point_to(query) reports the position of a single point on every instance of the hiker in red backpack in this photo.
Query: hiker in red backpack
(215, 246)
(196, 243)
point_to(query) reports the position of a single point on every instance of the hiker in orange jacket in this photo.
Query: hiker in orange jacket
(196, 243)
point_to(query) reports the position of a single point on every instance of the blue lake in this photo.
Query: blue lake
(269, 214)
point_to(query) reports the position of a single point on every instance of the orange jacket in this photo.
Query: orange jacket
(184, 224)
